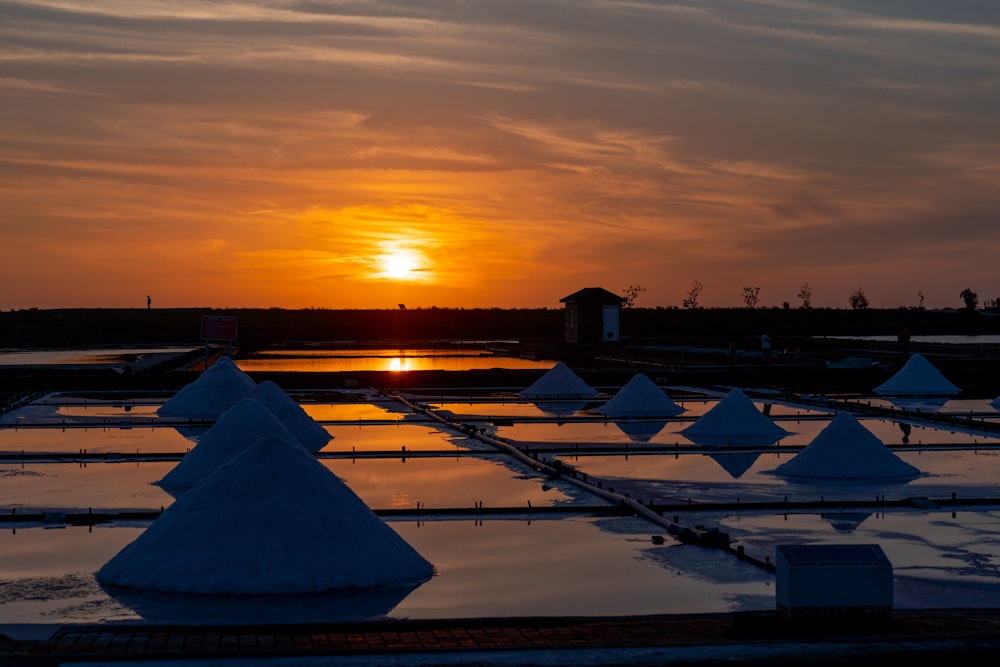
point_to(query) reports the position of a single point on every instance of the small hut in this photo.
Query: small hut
(593, 315)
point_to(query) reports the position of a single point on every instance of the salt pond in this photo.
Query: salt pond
(576, 562)
(490, 568)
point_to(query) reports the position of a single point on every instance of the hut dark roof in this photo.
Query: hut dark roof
(593, 295)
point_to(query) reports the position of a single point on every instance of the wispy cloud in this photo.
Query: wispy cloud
(523, 148)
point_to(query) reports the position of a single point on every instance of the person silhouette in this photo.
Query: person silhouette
(149, 302)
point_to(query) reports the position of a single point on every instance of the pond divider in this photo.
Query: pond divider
(557, 469)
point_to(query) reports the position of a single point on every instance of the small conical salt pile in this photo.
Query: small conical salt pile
(996, 403)
(917, 378)
(214, 392)
(734, 420)
(640, 397)
(847, 450)
(271, 521)
(559, 382)
(237, 429)
(306, 430)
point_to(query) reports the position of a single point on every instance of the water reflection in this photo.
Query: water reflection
(735, 463)
(171, 608)
(845, 522)
(641, 431)
(331, 361)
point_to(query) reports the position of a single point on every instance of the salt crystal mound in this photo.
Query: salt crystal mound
(559, 382)
(917, 378)
(238, 428)
(734, 420)
(214, 392)
(640, 397)
(305, 429)
(271, 521)
(847, 450)
(996, 403)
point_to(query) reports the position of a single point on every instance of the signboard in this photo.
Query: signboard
(218, 327)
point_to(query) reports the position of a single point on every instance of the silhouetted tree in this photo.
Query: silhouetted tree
(751, 296)
(858, 299)
(631, 293)
(971, 299)
(691, 300)
(805, 293)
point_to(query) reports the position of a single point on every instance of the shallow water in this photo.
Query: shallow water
(487, 568)
(85, 357)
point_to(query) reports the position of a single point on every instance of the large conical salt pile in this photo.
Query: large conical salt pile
(214, 392)
(237, 429)
(917, 378)
(559, 382)
(305, 429)
(996, 403)
(734, 420)
(640, 397)
(271, 521)
(847, 450)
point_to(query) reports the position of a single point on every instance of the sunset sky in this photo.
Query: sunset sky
(361, 154)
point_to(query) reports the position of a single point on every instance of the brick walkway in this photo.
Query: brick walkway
(953, 632)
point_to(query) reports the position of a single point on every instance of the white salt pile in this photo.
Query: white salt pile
(207, 397)
(238, 428)
(305, 429)
(271, 521)
(917, 378)
(559, 382)
(734, 420)
(640, 397)
(847, 450)
(996, 403)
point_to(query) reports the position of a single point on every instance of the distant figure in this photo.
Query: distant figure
(149, 302)
(904, 339)
(765, 347)
(905, 428)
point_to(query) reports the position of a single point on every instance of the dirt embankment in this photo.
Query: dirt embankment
(274, 327)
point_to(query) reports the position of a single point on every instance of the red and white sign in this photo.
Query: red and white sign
(218, 327)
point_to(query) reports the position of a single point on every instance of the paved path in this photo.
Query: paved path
(965, 636)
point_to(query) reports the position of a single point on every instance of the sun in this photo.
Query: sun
(401, 264)
(398, 265)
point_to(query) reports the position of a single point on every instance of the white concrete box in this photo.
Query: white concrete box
(832, 580)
